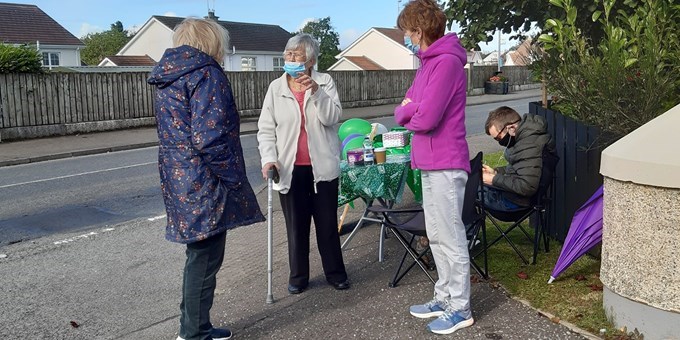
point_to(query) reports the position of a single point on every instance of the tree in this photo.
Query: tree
(322, 30)
(118, 27)
(628, 78)
(480, 19)
(100, 45)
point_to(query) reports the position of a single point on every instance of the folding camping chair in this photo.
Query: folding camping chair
(414, 224)
(539, 202)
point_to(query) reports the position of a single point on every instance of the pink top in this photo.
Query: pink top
(302, 156)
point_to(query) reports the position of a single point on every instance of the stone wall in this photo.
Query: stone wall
(641, 247)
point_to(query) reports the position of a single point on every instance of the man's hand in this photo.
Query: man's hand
(487, 174)
(405, 101)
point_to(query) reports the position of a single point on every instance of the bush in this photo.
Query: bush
(629, 78)
(22, 59)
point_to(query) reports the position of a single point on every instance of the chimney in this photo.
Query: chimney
(211, 15)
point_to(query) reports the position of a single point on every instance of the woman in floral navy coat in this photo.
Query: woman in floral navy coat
(201, 165)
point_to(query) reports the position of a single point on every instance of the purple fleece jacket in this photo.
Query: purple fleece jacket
(436, 113)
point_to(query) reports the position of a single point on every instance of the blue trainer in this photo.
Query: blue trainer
(429, 310)
(449, 322)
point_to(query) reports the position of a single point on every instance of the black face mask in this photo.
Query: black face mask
(507, 141)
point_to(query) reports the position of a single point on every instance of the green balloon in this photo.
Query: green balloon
(354, 143)
(354, 125)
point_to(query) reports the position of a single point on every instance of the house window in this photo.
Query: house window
(248, 64)
(278, 63)
(50, 59)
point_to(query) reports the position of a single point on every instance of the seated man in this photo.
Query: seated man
(511, 187)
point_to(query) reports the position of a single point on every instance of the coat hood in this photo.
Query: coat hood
(448, 44)
(176, 62)
(532, 125)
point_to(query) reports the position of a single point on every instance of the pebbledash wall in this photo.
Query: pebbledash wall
(40, 105)
(641, 237)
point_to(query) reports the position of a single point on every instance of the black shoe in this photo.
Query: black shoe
(341, 285)
(293, 289)
(220, 333)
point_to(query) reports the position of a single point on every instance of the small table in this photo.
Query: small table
(383, 183)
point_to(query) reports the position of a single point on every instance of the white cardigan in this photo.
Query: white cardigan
(279, 129)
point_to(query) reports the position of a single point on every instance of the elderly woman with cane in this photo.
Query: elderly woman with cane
(203, 175)
(297, 136)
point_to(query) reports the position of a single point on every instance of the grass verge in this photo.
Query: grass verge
(575, 296)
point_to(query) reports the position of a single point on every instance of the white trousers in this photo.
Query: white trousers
(443, 195)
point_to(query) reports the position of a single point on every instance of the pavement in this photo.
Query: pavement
(369, 310)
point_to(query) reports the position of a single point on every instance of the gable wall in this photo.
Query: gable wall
(384, 52)
(154, 40)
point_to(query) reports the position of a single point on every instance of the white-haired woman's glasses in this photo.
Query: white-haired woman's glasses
(295, 55)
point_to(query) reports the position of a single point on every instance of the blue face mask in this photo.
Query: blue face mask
(293, 68)
(409, 44)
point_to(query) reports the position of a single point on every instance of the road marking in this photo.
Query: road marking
(156, 218)
(75, 238)
(76, 175)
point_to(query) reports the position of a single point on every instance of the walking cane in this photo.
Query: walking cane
(271, 178)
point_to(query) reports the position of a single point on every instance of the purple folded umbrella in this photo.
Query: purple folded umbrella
(585, 232)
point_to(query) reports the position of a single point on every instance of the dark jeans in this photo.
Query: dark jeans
(299, 206)
(204, 259)
(495, 199)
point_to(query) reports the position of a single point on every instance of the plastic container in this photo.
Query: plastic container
(368, 151)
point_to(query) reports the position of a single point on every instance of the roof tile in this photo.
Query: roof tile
(364, 63)
(24, 24)
(132, 60)
(245, 36)
(392, 33)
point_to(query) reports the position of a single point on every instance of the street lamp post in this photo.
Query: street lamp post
(499, 50)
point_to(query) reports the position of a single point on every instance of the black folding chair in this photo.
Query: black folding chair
(474, 216)
(539, 202)
(412, 221)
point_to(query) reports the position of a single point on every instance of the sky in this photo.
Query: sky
(350, 18)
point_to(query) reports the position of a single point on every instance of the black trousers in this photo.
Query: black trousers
(204, 259)
(299, 206)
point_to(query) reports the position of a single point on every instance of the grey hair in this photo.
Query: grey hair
(306, 42)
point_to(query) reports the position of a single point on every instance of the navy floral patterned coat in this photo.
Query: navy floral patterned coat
(203, 176)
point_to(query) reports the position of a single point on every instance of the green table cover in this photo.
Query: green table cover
(385, 181)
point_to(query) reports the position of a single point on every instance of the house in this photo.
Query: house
(383, 49)
(28, 25)
(520, 56)
(254, 47)
(474, 57)
(491, 59)
(377, 49)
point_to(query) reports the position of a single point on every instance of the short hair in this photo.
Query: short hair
(307, 43)
(206, 35)
(426, 15)
(501, 117)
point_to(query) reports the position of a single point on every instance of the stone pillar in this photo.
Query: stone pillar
(641, 237)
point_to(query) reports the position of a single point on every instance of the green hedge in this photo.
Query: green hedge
(625, 80)
(21, 59)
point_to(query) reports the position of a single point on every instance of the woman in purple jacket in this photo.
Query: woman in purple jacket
(203, 175)
(434, 109)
